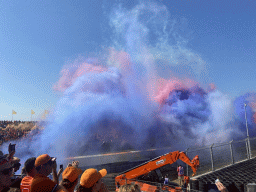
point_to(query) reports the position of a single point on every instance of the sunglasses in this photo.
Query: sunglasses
(7, 171)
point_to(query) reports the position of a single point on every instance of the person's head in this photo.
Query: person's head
(91, 180)
(44, 164)
(129, 188)
(70, 177)
(29, 166)
(5, 172)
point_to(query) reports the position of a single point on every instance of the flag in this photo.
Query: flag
(46, 112)
(13, 112)
(32, 112)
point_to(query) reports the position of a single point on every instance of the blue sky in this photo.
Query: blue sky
(39, 37)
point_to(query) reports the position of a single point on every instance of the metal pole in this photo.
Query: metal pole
(187, 156)
(248, 138)
(212, 156)
(231, 150)
(247, 150)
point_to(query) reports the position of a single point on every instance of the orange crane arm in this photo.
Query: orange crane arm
(153, 164)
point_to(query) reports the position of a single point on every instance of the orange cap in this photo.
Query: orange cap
(71, 173)
(91, 176)
(42, 159)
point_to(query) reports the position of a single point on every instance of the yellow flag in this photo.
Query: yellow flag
(13, 112)
(46, 112)
(32, 112)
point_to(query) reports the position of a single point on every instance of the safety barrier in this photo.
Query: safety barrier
(219, 155)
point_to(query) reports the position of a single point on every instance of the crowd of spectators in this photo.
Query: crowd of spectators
(35, 174)
(15, 130)
(36, 171)
(4, 123)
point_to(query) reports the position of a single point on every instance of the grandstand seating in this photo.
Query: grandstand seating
(234, 177)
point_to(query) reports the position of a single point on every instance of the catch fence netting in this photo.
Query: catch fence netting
(240, 149)
(221, 155)
(253, 146)
(204, 159)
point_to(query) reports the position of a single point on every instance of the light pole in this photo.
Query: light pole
(248, 139)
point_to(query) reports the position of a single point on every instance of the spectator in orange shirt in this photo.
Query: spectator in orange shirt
(29, 168)
(91, 181)
(70, 176)
(40, 184)
(45, 165)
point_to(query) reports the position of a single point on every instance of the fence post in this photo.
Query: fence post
(212, 156)
(231, 150)
(187, 156)
(247, 150)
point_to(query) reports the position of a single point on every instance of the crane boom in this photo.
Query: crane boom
(156, 163)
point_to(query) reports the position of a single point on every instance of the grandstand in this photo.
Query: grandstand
(234, 177)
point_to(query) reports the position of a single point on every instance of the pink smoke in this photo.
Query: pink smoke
(69, 74)
(252, 104)
(165, 87)
(120, 59)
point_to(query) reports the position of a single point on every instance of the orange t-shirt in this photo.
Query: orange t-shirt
(25, 185)
(41, 183)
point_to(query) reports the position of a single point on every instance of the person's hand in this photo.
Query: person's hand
(11, 152)
(59, 172)
(221, 187)
(10, 148)
(69, 165)
(54, 165)
(75, 163)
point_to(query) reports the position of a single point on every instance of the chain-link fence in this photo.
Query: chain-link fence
(219, 155)
(253, 146)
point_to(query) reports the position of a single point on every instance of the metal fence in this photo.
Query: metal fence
(219, 155)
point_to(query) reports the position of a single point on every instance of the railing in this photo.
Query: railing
(219, 155)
